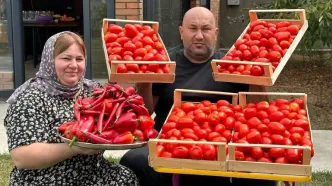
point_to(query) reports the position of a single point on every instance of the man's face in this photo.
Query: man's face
(198, 34)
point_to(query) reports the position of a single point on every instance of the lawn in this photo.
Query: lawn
(318, 178)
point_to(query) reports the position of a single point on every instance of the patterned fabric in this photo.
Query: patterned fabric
(33, 118)
(46, 79)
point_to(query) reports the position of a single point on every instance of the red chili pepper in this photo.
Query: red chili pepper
(93, 138)
(86, 126)
(101, 119)
(73, 130)
(119, 110)
(110, 118)
(150, 133)
(95, 107)
(124, 138)
(126, 122)
(77, 104)
(90, 112)
(130, 91)
(136, 101)
(140, 109)
(97, 101)
(109, 134)
(63, 127)
(145, 122)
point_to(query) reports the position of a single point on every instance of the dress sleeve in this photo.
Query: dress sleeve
(26, 122)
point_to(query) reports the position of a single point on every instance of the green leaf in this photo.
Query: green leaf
(320, 19)
(329, 15)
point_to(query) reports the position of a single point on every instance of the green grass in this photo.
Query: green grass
(318, 178)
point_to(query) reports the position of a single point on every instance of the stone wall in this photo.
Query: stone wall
(6, 80)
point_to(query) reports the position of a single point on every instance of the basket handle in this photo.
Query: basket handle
(253, 13)
(178, 95)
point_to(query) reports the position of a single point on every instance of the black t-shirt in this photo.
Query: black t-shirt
(191, 76)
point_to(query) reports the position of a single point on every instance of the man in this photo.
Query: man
(193, 71)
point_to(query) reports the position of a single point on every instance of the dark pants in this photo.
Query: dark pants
(137, 161)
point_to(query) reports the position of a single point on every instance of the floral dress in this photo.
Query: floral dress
(33, 118)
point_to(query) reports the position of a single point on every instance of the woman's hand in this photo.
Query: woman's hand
(81, 150)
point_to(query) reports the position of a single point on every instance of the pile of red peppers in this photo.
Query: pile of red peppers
(111, 115)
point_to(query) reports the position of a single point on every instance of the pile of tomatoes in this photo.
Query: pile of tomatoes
(263, 42)
(279, 122)
(135, 42)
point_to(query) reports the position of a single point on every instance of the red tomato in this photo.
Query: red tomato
(277, 139)
(166, 154)
(227, 134)
(180, 152)
(286, 123)
(121, 68)
(110, 37)
(249, 113)
(262, 128)
(253, 137)
(274, 55)
(253, 122)
(300, 102)
(220, 128)
(132, 67)
(243, 130)
(131, 30)
(256, 70)
(292, 155)
(263, 105)
(296, 138)
(168, 126)
(140, 52)
(229, 123)
(297, 130)
(276, 128)
(196, 153)
(276, 116)
(276, 152)
(114, 28)
(190, 136)
(212, 135)
(255, 35)
(265, 140)
(256, 152)
(185, 122)
(223, 103)
(303, 123)
(239, 155)
(201, 134)
(262, 115)
(209, 152)
(282, 160)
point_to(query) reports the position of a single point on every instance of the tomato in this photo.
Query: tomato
(122, 40)
(223, 103)
(219, 139)
(300, 102)
(196, 153)
(227, 110)
(138, 44)
(265, 140)
(256, 152)
(132, 67)
(303, 123)
(180, 152)
(262, 115)
(131, 30)
(229, 123)
(253, 122)
(128, 58)
(212, 135)
(190, 135)
(185, 130)
(276, 152)
(283, 24)
(114, 28)
(200, 117)
(287, 141)
(282, 35)
(247, 55)
(277, 139)
(253, 137)
(263, 105)
(296, 138)
(209, 152)
(276, 128)
(235, 136)
(282, 160)
(262, 128)
(284, 44)
(148, 41)
(121, 68)
(255, 35)
(297, 130)
(242, 149)
(276, 116)
(265, 159)
(302, 112)
(160, 149)
(227, 134)
(272, 109)
(238, 114)
(272, 41)
(166, 154)
(249, 113)
(147, 32)
(292, 155)
(201, 134)
(274, 55)
(239, 155)
(256, 70)
(220, 128)
(129, 46)
(140, 52)
(173, 118)
(168, 126)
(286, 122)
(293, 29)
(266, 134)
(110, 37)
(185, 122)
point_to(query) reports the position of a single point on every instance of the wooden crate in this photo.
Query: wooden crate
(271, 168)
(137, 77)
(159, 162)
(269, 77)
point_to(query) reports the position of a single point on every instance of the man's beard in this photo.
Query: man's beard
(199, 55)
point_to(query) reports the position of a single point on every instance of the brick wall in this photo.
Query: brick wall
(129, 9)
(6, 80)
(194, 3)
(215, 9)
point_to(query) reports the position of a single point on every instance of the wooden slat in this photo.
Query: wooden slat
(245, 79)
(157, 162)
(141, 77)
(269, 146)
(270, 168)
(240, 62)
(130, 21)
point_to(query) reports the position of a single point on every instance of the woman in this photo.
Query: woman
(43, 103)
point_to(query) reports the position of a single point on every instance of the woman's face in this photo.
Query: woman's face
(70, 65)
